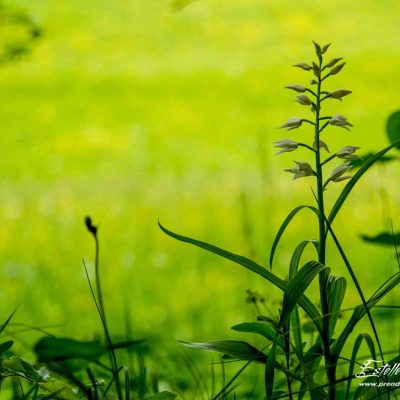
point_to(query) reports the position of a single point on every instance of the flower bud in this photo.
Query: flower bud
(316, 69)
(340, 120)
(325, 48)
(347, 153)
(303, 99)
(337, 173)
(322, 145)
(296, 88)
(318, 50)
(313, 82)
(333, 62)
(292, 123)
(337, 69)
(301, 170)
(286, 145)
(339, 93)
(305, 66)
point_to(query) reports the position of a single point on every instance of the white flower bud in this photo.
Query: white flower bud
(305, 66)
(337, 173)
(340, 120)
(296, 88)
(303, 99)
(301, 170)
(339, 93)
(286, 145)
(347, 153)
(291, 123)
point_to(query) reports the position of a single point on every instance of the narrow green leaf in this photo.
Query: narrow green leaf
(298, 252)
(383, 238)
(360, 311)
(269, 375)
(283, 227)
(7, 321)
(304, 302)
(352, 182)
(6, 346)
(233, 348)
(297, 286)
(393, 127)
(336, 289)
(357, 344)
(260, 328)
(59, 349)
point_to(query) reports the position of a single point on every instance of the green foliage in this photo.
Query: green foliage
(393, 128)
(293, 363)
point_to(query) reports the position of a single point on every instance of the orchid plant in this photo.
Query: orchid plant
(296, 365)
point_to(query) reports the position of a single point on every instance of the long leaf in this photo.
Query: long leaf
(336, 289)
(360, 311)
(303, 301)
(270, 372)
(260, 328)
(233, 348)
(283, 227)
(360, 338)
(352, 182)
(296, 256)
(297, 286)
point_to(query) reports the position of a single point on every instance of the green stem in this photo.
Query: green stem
(101, 309)
(323, 276)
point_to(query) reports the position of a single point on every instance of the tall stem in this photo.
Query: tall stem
(323, 276)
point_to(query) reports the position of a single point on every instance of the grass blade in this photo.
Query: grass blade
(283, 227)
(303, 301)
(370, 343)
(297, 286)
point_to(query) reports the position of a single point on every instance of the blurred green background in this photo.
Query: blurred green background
(130, 112)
